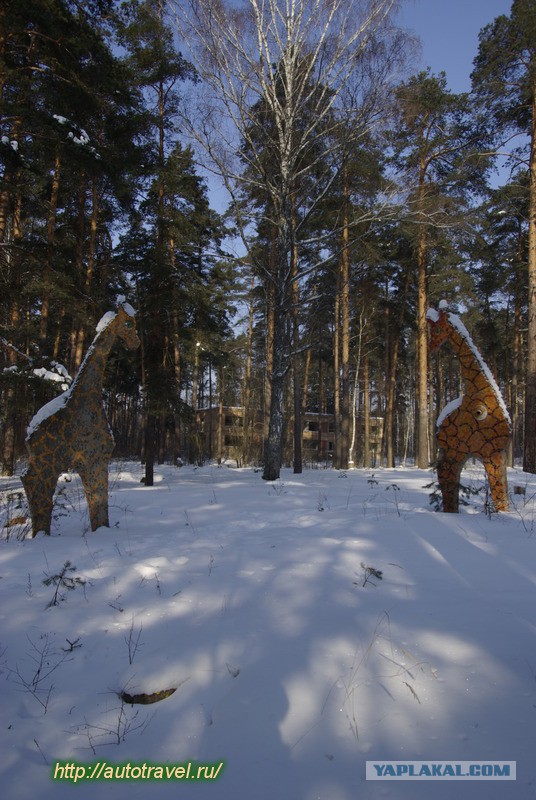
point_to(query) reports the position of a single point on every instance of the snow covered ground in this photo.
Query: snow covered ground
(294, 663)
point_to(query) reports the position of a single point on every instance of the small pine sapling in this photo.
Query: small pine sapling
(62, 580)
(435, 498)
(368, 573)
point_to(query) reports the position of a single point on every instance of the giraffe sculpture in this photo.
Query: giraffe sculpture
(477, 424)
(72, 432)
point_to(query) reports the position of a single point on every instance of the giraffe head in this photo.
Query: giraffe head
(124, 325)
(440, 328)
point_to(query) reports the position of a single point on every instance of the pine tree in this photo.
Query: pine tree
(504, 81)
(436, 141)
(157, 68)
(60, 186)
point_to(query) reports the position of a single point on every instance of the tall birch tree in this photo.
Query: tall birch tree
(310, 62)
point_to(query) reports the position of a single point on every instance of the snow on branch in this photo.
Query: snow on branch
(54, 373)
(76, 135)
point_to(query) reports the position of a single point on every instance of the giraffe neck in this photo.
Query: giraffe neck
(90, 377)
(474, 377)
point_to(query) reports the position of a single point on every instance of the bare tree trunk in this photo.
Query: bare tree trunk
(249, 413)
(355, 396)
(529, 449)
(150, 431)
(296, 381)
(274, 442)
(308, 358)
(51, 231)
(176, 357)
(155, 341)
(366, 411)
(270, 304)
(344, 267)
(514, 402)
(10, 401)
(193, 455)
(337, 459)
(78, 325)
(220, 419)
(10, 185)
(90, 265)
(273, 447)
(423, 458)
(391, 379)
(306, 373)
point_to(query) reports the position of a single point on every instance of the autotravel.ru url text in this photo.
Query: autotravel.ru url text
(144, 771)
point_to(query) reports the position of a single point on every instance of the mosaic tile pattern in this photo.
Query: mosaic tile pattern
(477, 425)
(72, 432)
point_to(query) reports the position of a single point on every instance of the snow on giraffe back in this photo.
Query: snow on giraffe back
(476, 424)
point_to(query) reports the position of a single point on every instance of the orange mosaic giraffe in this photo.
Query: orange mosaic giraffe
(476, 424)
(72, 432)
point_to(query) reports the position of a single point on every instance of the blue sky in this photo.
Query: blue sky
(449, 30)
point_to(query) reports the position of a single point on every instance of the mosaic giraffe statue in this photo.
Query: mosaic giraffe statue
(475, 424)
(72, 432)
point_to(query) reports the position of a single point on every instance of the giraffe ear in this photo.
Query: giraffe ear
(443, 310)
(122, 305)
(432, 317)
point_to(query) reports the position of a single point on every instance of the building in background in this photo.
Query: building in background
(225, 435)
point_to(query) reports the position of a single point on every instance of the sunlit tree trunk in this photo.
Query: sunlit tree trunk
(391, 379)
(337, 456)
(514, 402)
(423, 457)
(249, 412)
(296, 358)
(344, 267)
(529, 456)
(366, 411)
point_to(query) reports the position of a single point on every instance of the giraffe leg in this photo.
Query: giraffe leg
(95, 481)
(448, 475)
(39, 483)
(496, 470)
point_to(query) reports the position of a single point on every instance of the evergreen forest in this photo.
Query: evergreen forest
(352, 193)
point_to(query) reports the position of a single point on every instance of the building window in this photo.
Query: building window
(311, 425)
(232, 421)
